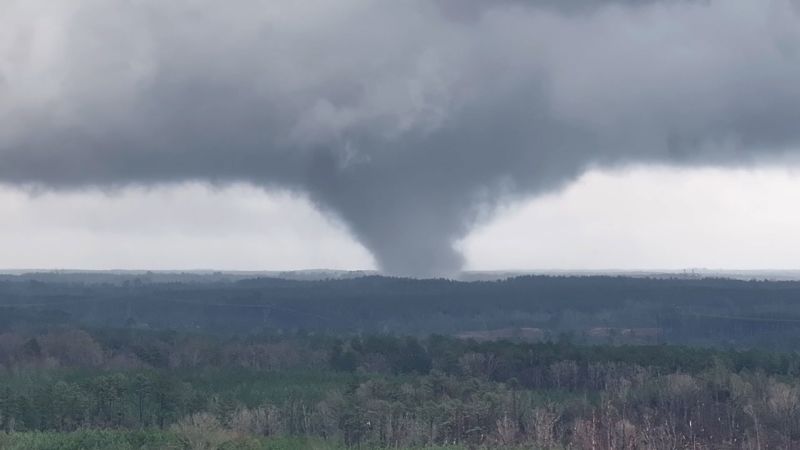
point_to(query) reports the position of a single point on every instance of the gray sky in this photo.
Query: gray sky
(647, 218)
(419, 137)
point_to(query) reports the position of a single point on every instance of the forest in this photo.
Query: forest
(594, 309)
(374, 362)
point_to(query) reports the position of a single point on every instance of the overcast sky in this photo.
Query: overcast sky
(647, 218)
(418, 137)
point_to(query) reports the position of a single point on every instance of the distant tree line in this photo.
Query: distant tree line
(594, 310)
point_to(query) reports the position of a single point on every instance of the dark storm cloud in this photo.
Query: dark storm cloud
(404, 119)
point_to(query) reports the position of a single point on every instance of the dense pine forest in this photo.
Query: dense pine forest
(132, 362)
(593, 309)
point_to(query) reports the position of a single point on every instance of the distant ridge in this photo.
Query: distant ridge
(115, 276)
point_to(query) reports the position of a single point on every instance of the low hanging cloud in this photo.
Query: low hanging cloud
(410, 120)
